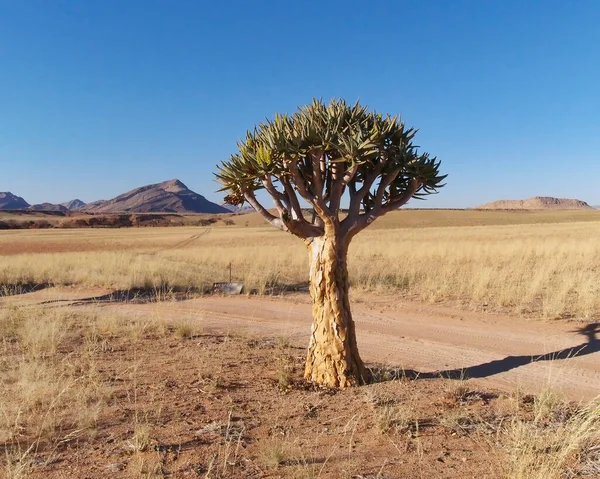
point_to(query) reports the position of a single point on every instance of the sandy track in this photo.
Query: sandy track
(498, 352)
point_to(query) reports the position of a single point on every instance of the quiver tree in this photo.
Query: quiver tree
(324, 157)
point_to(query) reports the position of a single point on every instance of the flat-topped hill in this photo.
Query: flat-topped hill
(537, 203)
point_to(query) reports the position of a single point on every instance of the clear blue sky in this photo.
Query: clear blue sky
(101, 96)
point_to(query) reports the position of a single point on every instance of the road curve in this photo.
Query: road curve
(502, 352)
(495, 351)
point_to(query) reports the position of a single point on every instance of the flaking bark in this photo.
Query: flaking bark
(333, 359)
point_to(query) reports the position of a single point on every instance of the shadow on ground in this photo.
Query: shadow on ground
(484, 370)
(22, 288)
(135, 295)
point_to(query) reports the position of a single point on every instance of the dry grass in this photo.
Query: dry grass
(140, 388)
(46, 395)
(185, 328)
(66, 377)
(559, 441)
(457, 390)
(550, 270)
(423, 218)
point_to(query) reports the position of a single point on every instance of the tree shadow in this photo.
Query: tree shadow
(484, 370)
(22, 288)
(133, 295)
(278, 289)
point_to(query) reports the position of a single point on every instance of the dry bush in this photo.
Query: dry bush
(18, 462)
(46, 396)
(50, 401)
(284, 361)
(185, 328)
(224, 462)
(141, 440)
(552, 448)
(391, 414)
(396, 418)
(273, 452)
(42, 332)
(457, 390)
(11, 320)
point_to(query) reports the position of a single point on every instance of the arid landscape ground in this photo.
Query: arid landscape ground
(480, 327)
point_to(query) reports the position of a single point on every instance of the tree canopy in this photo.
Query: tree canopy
(321, 152)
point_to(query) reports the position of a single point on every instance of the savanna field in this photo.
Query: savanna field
(543, 264)
(94, 390)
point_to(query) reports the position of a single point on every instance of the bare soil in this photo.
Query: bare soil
(493, 351)
(227, 399)
(228, 406)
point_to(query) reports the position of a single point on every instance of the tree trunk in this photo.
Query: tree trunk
(333, 358)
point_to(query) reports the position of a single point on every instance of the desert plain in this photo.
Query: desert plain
(480, 328)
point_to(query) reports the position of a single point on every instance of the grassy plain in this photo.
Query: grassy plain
(85, 394)
(89, 394)
(533, 263)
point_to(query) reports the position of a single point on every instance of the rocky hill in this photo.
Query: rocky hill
(167, 197)
(93, 206)
(8, 201)
(537, 203)
(237, 209)
(73, 204)
(47, 207)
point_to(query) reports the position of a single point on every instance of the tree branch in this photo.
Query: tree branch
(356, 199)
(278, 196)
(402, 199)
(317, 157)
(327, 193)
(293, 199)
(317, 203)
(386, 181)
(301, 228)
(260, 209)
(353, 225)
(340, 186)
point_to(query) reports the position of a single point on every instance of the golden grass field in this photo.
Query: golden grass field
(87, 392)
(533, 263)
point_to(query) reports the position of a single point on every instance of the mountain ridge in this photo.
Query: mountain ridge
(73, 204)
(9, 201)
(48, 207)
(536, 203)
(171, 196)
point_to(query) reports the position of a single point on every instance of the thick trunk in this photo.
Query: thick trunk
(333, 358)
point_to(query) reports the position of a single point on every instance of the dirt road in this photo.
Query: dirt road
(495, 351)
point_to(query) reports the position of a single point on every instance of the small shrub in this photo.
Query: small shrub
(185, 328)
(395, 418)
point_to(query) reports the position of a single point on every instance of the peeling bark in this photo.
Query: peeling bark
(333, 359)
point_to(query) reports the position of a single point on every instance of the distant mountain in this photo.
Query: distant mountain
(73, 204)
(237, 209)
(8, 201)
(537, 203)
(47, 207)
(167, 197)
(94, 205)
